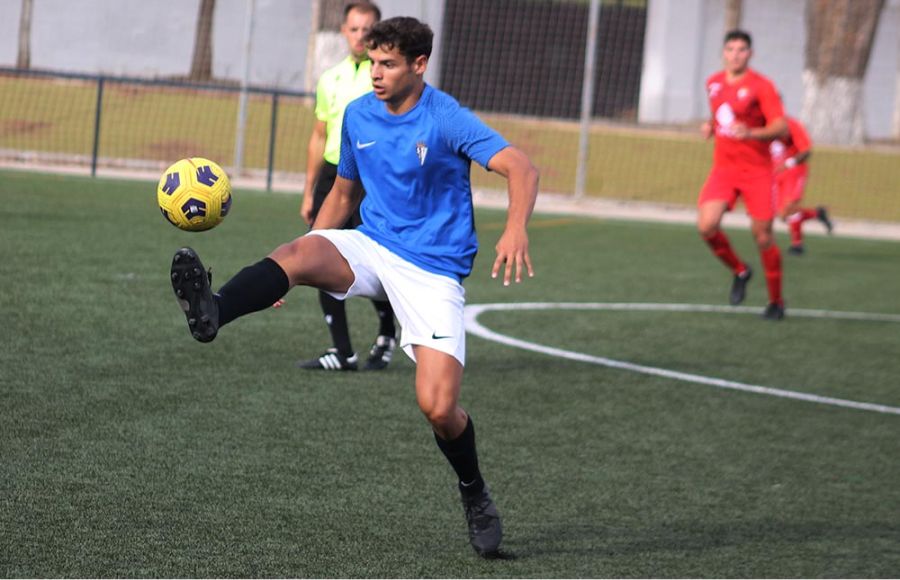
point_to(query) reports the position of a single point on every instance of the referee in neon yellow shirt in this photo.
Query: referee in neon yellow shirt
(336, 88)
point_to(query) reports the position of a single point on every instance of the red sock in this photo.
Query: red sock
(795, 224)
(721, 247)
(771, 261)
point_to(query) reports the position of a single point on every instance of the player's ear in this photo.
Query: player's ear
(420, 64)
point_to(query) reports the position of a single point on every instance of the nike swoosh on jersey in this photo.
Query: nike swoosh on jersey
(435, 336)
(364, 145)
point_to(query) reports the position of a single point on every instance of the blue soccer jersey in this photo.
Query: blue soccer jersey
(415, 170)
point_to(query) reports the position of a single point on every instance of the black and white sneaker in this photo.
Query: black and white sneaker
(331, 360)
(381, 353)
(191, 283)
(822, 216)
(739, 287)
(485, 529)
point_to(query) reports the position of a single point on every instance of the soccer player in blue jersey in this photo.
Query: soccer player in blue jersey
(410, 146)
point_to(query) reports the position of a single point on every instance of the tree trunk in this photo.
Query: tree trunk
(23, 59)
(733, 10)
(201, 63)
(840, 34)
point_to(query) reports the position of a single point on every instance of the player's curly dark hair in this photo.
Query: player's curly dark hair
(738, 34)
(409, 36)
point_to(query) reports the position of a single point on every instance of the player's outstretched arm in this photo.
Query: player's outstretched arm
(339, 204)
(522, 179)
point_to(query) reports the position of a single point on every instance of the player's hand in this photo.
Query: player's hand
(740, 131)
(278, 303)
(306, 209)
(512, 252)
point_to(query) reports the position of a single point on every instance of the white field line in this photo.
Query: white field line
(474, 327)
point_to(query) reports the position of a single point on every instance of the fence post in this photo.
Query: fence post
(272, 128)
(587, 98)
(98, 109)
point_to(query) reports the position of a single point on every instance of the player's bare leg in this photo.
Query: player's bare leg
(709, 220)
(438, 381)
(770, 256)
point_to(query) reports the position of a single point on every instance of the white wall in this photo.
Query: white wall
(142, 38)
(684, 39)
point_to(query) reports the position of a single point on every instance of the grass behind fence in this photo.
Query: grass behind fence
(129, 450)
(164, 124)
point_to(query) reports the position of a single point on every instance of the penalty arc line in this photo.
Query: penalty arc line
(472, 312)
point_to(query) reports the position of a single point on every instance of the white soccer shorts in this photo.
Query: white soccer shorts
(429, 306)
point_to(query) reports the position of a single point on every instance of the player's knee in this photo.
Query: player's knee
(439, 414)
(706, 230)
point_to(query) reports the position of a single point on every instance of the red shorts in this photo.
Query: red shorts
(789, 186)
(757, 190)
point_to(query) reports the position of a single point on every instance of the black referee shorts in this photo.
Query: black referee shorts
(324, 182)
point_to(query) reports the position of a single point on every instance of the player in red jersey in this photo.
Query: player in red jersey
(790, 159)
(746, 115)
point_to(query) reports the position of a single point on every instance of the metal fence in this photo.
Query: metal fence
(98, 121)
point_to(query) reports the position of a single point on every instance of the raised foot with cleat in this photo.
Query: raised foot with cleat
(191, 283)
(822, 216)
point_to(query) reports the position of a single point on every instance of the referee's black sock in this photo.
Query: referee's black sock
(254, 288)
(462, 456)
(336, 318)
(385, 318)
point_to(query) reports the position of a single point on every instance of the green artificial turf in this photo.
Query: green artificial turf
(130, 450)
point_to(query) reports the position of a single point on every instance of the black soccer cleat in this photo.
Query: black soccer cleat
(331, 360)
(796, 249)
(773, 311)
(381, 353)
(822, 216)
(191, 282)
(739, 287)
(485, 529)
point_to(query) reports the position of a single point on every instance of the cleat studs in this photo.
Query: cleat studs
(179, 292)
(204, 319)
(197, 285)
(174, 276)
(192, 322)
(196, 335)
(196, 271)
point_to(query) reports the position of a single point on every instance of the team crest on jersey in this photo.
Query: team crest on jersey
(714, 89)
(743, 93)
(421, 152)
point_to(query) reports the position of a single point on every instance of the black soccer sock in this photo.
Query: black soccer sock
(336, 318)
(254, 288)
(385, 318)
(463, 458)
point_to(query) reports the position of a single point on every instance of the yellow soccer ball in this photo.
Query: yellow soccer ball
(194, 194)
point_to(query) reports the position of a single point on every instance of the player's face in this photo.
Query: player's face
(394, 79)
(736, 55)
(354, 29)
